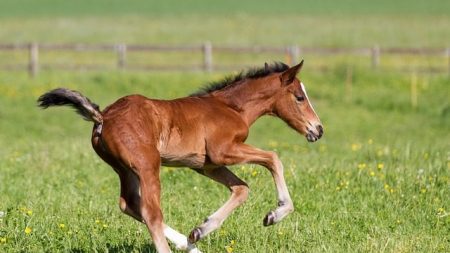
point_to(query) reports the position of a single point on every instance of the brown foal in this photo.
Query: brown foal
(205, 131)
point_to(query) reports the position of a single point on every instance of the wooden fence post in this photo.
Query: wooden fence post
(288, 56)
(121, 56)
(207, 56)
(349, 83)
(414, 99)
(448, 61)
(294, 52)
(33, 66)
(375, 56)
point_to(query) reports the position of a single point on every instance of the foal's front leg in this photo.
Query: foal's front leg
(239, 193)
(242, 153)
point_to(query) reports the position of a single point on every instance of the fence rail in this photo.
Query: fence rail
(291, 53)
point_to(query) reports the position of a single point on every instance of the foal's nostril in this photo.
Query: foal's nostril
(320, 130)
(313, 135)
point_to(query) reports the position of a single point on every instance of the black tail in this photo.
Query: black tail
(82, 104)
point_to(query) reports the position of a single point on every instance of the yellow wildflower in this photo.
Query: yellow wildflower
(62, 225)
(2, 239)
(441, 210)
(232, 242)
(380, 166)
(423, 190)
(105, 225)
(389, 188)
(370, 142)
(254, 173)
(229, 249)
(97, 221)
(344, 184)
(361, 166)
(372, 173)
(273, 143)
(28, 230)
(222, 232)
(29, 212)
(356, 146)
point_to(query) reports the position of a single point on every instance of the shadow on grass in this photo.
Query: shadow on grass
(122, 248)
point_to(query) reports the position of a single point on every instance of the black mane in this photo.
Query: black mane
(254, 73)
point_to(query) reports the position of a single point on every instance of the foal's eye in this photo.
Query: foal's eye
(300, 98)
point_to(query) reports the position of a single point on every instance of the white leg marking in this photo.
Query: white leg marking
(283, 193)
(180, 240)
(285, 205)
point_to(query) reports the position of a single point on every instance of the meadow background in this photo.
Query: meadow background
(378, 181)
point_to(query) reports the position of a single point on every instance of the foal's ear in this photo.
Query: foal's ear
(288, 76)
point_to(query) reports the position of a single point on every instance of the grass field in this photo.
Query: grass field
(378, 181)
(14, 8)
(348, 23)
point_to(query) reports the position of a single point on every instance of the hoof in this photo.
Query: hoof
(269, 219)
(193, 250)
(195, 235)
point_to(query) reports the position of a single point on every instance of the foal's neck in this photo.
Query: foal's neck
(252, 98)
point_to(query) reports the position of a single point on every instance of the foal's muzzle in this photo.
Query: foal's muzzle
(314, 135)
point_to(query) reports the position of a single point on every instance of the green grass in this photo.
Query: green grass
(235, 29)
(202, 7)
(377, 181)
(348, 23)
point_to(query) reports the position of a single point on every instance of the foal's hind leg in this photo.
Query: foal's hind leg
(130, 199)
(146, 163)
(130, 204)
(239, 193)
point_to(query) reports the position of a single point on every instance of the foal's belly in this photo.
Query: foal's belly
(192, 160)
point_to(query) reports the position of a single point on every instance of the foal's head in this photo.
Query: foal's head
(293, 106)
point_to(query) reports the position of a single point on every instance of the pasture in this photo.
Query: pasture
(378, 181)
